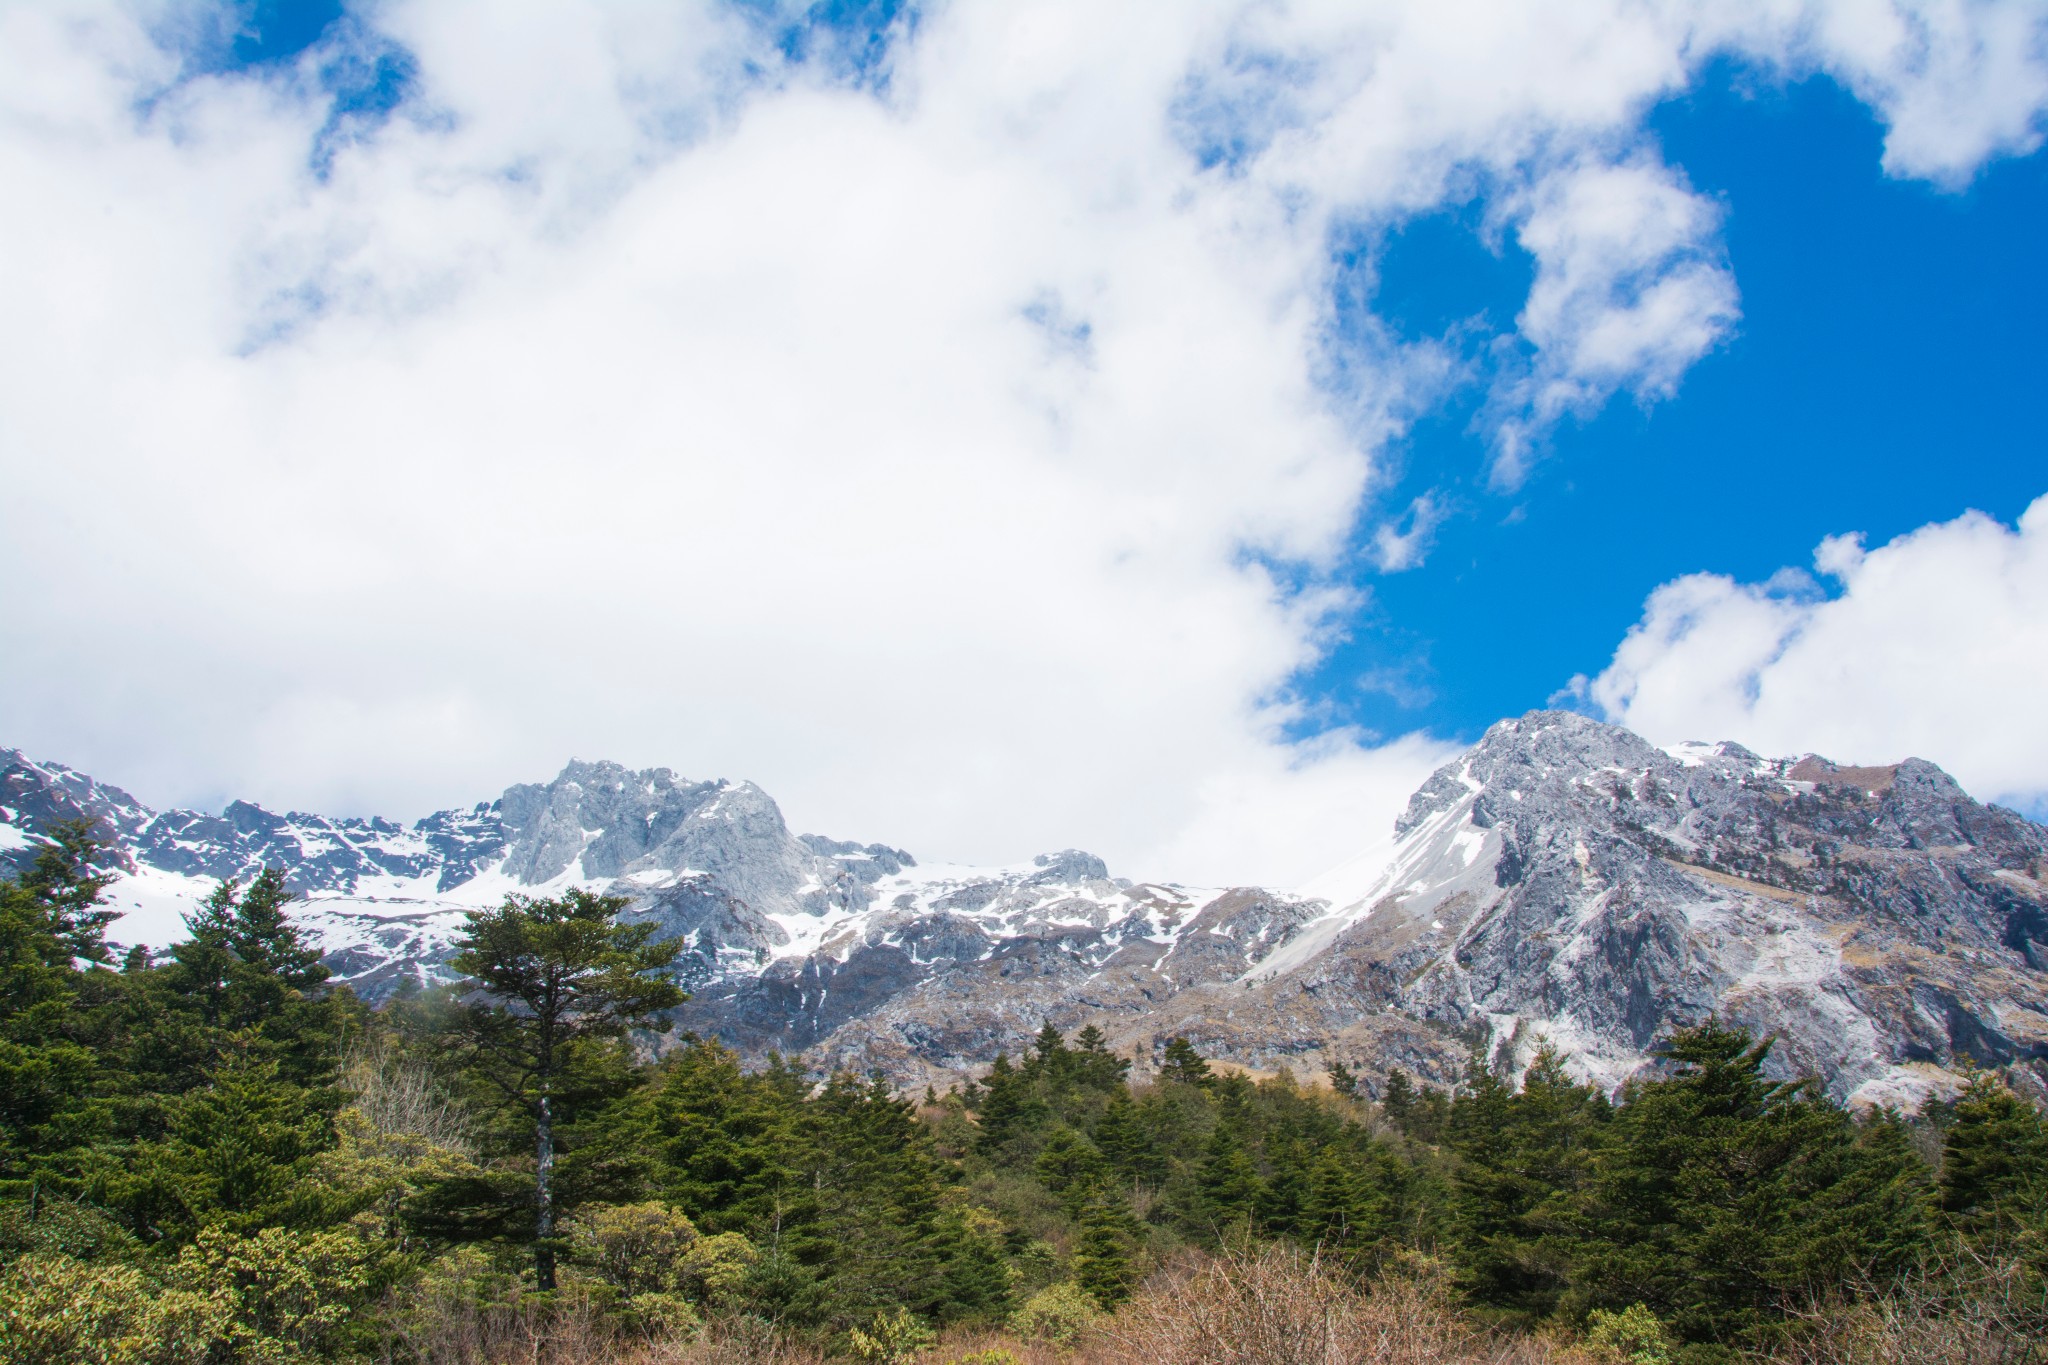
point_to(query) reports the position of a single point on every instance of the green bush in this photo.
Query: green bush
(1058, 1313)
(1634, 1334)
(894, 1336)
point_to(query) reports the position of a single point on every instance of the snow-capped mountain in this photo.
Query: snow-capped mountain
(1566, 884)
(1562, 884)
(713, 863)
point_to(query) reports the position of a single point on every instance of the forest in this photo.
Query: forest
(216, 1156)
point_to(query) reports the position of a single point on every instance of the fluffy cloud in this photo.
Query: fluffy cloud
(951, 445)
(1929, 646)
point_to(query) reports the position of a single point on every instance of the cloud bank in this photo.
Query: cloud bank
(1930, 646)
(952, 428)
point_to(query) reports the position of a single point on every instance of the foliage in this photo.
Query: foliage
(224, 1157)
(1634, 1334)
(892, 1336)
(1058, 1313)
(552, 987)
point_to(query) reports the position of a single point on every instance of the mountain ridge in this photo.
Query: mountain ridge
(1562, 884)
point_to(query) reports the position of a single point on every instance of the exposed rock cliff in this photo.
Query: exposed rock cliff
(1563, 884)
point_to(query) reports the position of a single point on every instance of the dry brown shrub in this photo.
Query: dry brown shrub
(1969, 1309)
(736, 1341)
(453, 1332)
(1280, 1306)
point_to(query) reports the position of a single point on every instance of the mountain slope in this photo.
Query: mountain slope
(1564, 884)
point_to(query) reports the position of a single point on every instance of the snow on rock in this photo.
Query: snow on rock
(1563, 884)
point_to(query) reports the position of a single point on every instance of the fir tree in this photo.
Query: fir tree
(1103, 1260)
(1399, 1100)
(1994, 1159)
(1705, 1194)
(1524, 1158)
(723, 1140)
(1182, 1065)
(1228, 1184)
(1094, 1065)
(1070, 1166)
(52, 1105)
(1011, 1109)
(1127, 1146)
(552, 985)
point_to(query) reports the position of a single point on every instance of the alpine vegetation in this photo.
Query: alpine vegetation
(1611, 1054)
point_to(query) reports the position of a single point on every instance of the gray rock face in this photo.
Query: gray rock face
(1567, 884)
(1564, 884)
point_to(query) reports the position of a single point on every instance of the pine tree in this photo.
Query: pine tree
(1708, 1187)
(1181, 1064)
(1994, 1160)
(1342, 1081)
(550, 982)
(1127, 1146)
(1103, 1259)
(1070, 1167)
(1228, 1184)
(52, 1105)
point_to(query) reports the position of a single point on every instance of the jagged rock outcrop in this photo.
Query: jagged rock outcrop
(1563, 884)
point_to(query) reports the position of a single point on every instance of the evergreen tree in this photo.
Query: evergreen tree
(1094, 1065)
(1399, 1100)
(1011, 1109)
(1183, 1065)
(1228, 1184)
(66, 880)
(1070, 1166)
(1127, 1146)
(236, 1153)
(1103, 1256)
(1049, 1060)
(552, 986)
(245, 973)
(725, 1141)
(1994, 1160)
(1524, 1158)
(1705, 1194)
(52, 1102)
(1342, 1081)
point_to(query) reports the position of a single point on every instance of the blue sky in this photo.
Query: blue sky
(1883, 376)
(1887, 372)
(1170, 429)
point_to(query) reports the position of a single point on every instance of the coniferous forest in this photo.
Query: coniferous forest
(212, 1156)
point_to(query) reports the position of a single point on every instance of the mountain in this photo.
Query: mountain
(1564, 883)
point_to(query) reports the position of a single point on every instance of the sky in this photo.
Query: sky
(1170, 428)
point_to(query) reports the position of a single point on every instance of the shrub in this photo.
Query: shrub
(1634, 1334)
(715, 1269)
(634, 1248)
(1058, 1313)
(894, 1336)
(55, 1310)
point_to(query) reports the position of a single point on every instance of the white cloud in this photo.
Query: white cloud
(1930, 646)
(1401, 545)
(1629, 292)
(918, 455)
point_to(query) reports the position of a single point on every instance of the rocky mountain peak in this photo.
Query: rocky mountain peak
(1563, 883)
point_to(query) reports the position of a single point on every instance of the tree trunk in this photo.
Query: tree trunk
(544, 1195)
